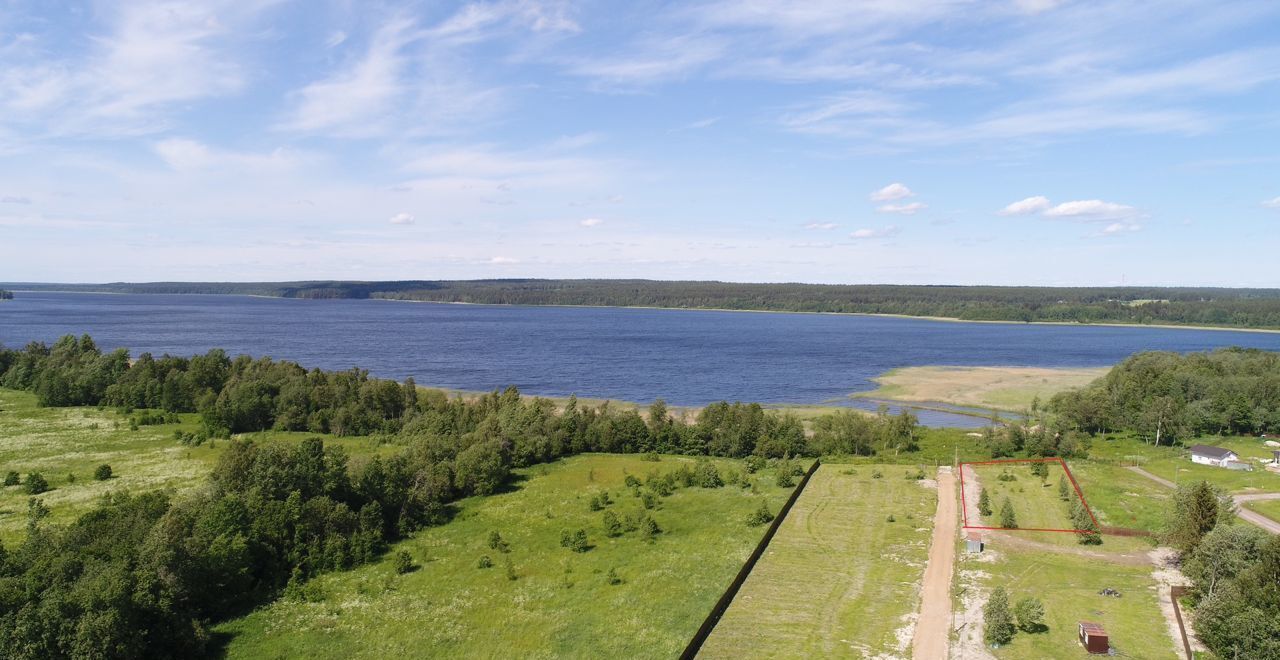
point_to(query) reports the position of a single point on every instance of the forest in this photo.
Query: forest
(6, 295)
(1241, 308)
(1166, 397)
(144, 575)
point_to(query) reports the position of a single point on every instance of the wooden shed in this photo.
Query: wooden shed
(1094, 638)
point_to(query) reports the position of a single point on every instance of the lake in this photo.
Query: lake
(687, 357)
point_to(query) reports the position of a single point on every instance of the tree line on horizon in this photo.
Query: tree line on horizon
(1244, 308)
(6, 295)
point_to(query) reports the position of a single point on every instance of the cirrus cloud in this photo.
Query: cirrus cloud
(868, 233)
(401, 219)
(824, 226)
(1273, 203)
(592, 222)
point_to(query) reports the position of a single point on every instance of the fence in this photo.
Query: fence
(700, 637)
(1174, 594)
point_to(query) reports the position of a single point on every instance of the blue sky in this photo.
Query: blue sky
(901, 141)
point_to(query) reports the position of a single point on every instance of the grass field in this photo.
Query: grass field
(1174, 463)
(1268, 508)
(1035, 501)
(561, 603)
(61, 443)
(1121, 498)
(1068, 586)
(999, 388)
(839, 579)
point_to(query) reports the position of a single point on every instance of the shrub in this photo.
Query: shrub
(785, 480)
(404, 562)
(1030, 614)
(102, 472)
(595, 504)
(760, 516)
(484, 562)
(510, 570)
(612, 525)
(36, 484)
(876, 474)
(613, 578)
(11, 478)
(649, 528)
(632, 481)
(575, 541)
(1064, 493)
(496, 542)
(652, 457)
(648, 500)
(754, 464)
(890, 518)
(706, 475)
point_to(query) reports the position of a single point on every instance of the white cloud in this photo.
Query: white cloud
(1117, 228)
(1037, 6)
(821, 225)
(1026, 206)
(883, 232)
(401, 219)
(1273, 203)
(1091, 210)
(592, 222)
(335, 39)
(891, 192)
(15, 199)
(186, 155)
(503, 260)
(903, 209)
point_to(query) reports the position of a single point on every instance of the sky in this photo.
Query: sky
(1037, 142)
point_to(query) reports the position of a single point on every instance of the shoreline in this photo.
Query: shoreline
(940, 319)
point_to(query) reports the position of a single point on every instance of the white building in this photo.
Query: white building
(1215, 456)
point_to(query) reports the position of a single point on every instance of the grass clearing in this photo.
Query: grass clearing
(63, 442)
(1174, 463)
(1268, 508)
(1000, 388)
(838, 579)
(561, 603)
(1068, 585)
(1122, 498)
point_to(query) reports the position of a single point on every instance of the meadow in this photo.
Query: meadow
(998, 388)
(1268, 508)
(1068, 586)
(623, 597)
(841, 577)
(1174, 463)
(66, 445)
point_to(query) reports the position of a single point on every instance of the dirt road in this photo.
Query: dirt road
(1245, 514)
(933, 629)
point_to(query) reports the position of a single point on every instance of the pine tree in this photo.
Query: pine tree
(1081, 519)
(997, 618)
(612, 525)
(1008, 519)
(1064, 493)
(984, 503)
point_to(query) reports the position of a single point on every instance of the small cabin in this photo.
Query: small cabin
(1215, 456)
(1094, 638)
(973, 543)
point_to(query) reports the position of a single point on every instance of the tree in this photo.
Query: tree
(997, 618)
(984, 502)
(1196, 509)
(575, 541)
(35, 484)
(1008, 519)
(785, 479)
(1081, 520)
(404, 562)
(1064, 493)
(496, 542)
(1040, 469)
(1030, 614)
(760, 516)
(612, 525)
(1222, 555)
(706, 475)
(102, 472)
(482, 468)
(649, 528)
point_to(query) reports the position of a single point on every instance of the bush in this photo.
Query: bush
(890, 518)
(754, 464)
(484, 562)
(404, 562)
(876, 474)
(706, 475)
(613, 578)
(102, 472)
(1030, 614)
(595, 504)
(35, 484)
(760, 516)
(510, 570)
(632, 481)
(496, 542)
(612, 525)
(649, 528)
(785, 479)
(575, 541)
(11, 478)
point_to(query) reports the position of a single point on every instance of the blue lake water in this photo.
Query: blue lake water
(685, 357)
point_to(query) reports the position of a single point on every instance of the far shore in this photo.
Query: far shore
(943, 319)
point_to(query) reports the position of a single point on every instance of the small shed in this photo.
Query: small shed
(1094, 638)
(1209, 455)
(973, 543)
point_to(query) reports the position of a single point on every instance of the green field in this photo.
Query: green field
(1035, 501)
(66, 443)
(1068, 585)
(1268, 508)
(1120, 497)
(561, 603)
(1174, 463)
(838, 579)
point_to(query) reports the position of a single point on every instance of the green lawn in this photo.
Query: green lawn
(1068, 586)
(1035, 501)
(1120, 497)
(1268, 508)
(839, 579)
(61, 443)
(1174, 463)
(561, 604)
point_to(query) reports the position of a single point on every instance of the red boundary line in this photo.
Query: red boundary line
(1079, 493)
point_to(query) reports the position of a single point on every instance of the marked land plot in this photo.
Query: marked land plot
(840, 578)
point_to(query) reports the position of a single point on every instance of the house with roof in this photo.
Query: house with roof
(1209, 455)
